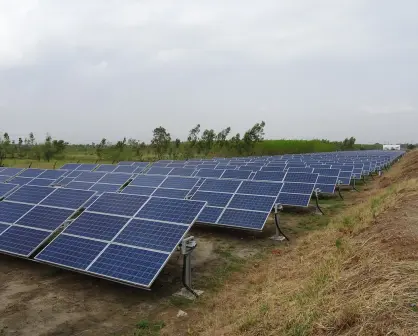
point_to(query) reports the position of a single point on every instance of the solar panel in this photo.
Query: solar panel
(41, 182)
(3, 227)
(105, 187)
(64, 181)
(125, 169)
(210, 215)
(74, 173)
(145, 191)
(179, 182)
(11, 171)
(205, 172)
(79, 185)
(10, 212)
(213, 198)
(182, 172)
(236, 174)
(96, 226)
(52, 174)
(244, 219)
(89, 177)
(159, 171)
(132, 265)
(70, 166)
(68, 198)
(260, 188)
(116, 178)
(229, 186)
(45, 218)
(4, 178)
(327, 180)
(325, 188)
(152, 235)
(300, 170)
(31, 172)
(252, 202)
(6, 189)
(126, 163)
(107, 168)
(147, 181)
(20, 180)
(118, 204)
(294, 199)
(172, 193)
(30, 194)
(139, 170)
(301, 177)
(269, 176)
(327, 172)
(22, 241)
(298, 188)
(91, 201)
(86, 166)
(170, 210)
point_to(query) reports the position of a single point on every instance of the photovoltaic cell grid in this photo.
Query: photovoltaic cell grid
(7, 188)
(122, 248)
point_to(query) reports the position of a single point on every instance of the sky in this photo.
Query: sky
(86, 70)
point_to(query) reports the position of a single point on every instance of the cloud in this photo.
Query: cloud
(393, 109)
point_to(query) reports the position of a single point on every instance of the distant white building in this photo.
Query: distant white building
(391, 147)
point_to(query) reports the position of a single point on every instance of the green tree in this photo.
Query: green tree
(160, 141)
(48, 148)
(221, 137)
(254, 135)
(32, 141)
(100, 148)
(207, 140)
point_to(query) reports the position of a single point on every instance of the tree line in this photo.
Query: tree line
(199, 143)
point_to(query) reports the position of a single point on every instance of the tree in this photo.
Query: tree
(100, 147)
(254, 135)
(207, 140)
(236, 143)
(193, 137)
(120, 145)
(348, 143)
(47, 148)
(31, 139)
(221, 137)
(160, 141)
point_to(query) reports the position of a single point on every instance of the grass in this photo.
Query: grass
(148, 328)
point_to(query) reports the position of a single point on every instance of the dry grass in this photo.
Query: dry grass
(348, 279)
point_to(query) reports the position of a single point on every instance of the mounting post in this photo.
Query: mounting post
(339, 189)
(354, 185)
(317, 191)
(279, 235)
(187, 246)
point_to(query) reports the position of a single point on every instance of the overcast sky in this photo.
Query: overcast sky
(87, 69)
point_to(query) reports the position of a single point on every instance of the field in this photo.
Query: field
(350, 272)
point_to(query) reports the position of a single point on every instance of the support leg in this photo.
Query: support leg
(317, 202)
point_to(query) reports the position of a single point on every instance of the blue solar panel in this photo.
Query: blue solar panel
(171, 210)
(116, 178)
(139, 170)
(327, 180)
(96, 226)
(118, 204)
(209, 215)
(152, 235)
(89, 177)
(345, 174)
(125, 169)
(107, 168)
(269, 176)
(10, 212)
(182, 172)
(129, 264)
(52, 174)
(91, 201)
(3, 227)
(294, 199)
(11, 171)
(105, 187)
(20, 180)
(140, 164)
(45, 218)
(246, 219)
(146, 191)
(70, 166)
(4, 178)
(159, 171)
(5, 189)
(300, 170)
(30, 194)
(65, 181)
(209, 172)
(31, 172)
(79, 185)
(71, 251)
(229, 186)
(213, 198)
(301, 177)
(236, 174)
(86, 166)
(298, 188)
(327, 172)
(41, 182)
(68, 198)
(273, 168)
(325, 188)
(126, 163)
(179, 182)
(74, 173)
(147, 181)
(260, 188)
(172, 193)
(252, 202)
(22, 241)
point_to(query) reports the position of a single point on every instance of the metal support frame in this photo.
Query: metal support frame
(279, 235)
(354, 185)
(339, 189)
(317, 191)
(186, 247)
